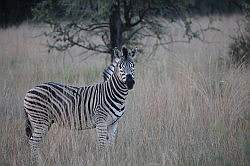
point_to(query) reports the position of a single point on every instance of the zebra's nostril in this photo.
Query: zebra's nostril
(130, 81)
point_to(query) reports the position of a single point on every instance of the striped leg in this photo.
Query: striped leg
(34, 150)
(101, 129)
(38, 133)
(112, 130)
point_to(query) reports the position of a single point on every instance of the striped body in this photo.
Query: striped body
(75, 107)
(98, 106)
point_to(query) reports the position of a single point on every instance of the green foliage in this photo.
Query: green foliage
(101, 25)
(14, 12)
(48, 11)
(76, 10)
(94, 10)
(97, 10)
(240, 47)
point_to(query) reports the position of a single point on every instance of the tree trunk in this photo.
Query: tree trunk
(3, 14)
(115, 25)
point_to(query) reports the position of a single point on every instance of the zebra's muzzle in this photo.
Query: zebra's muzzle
(130, 81)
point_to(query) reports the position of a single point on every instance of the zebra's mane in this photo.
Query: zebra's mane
(108, 71)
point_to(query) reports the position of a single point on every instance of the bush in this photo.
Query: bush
(240, 49)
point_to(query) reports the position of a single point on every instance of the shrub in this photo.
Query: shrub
(240, 49)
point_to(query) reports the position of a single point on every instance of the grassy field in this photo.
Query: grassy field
(190, 106)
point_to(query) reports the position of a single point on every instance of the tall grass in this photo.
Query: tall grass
(190, 106)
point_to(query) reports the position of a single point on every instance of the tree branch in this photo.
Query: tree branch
(131, 35)
(127, 9)
(141, 15)
(92, 27)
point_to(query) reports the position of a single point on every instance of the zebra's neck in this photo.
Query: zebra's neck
(118, 87)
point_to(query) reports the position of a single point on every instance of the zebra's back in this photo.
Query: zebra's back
(54, 102)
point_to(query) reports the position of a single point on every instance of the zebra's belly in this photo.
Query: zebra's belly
(77, 127)
(75, 124)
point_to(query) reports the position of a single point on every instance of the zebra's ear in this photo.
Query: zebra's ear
(125, 52)
(134, 52)
(117, 53)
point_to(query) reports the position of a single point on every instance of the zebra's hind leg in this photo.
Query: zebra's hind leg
(39, 131)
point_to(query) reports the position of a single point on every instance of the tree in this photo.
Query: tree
(113, 22)
(13, 12)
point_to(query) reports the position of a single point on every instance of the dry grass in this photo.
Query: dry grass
(189, 105)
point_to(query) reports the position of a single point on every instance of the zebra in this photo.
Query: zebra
(98, 106)
(108, 71)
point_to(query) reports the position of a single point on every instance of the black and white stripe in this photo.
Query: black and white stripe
(98, 106)
(108, 71)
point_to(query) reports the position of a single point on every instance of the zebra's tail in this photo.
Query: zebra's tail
(28, 127)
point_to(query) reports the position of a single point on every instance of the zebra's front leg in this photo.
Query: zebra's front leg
(101, 129)
(112, 130)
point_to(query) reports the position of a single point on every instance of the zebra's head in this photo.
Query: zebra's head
(125, 66)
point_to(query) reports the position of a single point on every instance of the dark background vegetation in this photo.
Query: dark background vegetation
(13, 12)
